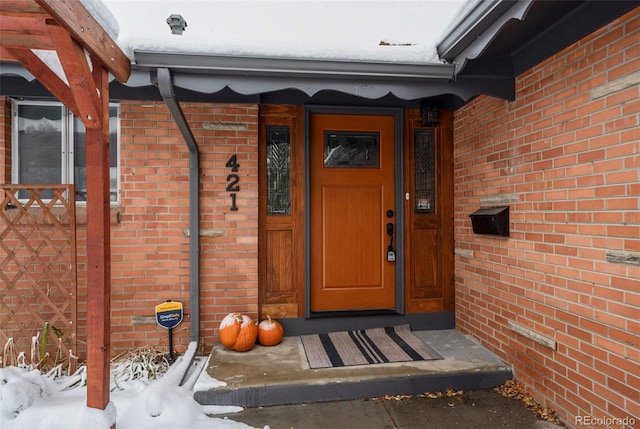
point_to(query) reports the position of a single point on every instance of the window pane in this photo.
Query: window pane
(80, 156)
(351, 149)
(39, 146)
(424, 171)
(278, 171)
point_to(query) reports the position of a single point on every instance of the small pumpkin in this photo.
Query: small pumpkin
(238, 332)
(270, 332)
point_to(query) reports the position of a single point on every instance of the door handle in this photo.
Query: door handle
(391, 254)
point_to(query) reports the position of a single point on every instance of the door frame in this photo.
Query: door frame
(397, 114)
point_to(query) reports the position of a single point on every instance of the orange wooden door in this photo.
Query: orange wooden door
(352, 199)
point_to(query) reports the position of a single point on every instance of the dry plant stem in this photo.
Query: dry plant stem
(9, 357)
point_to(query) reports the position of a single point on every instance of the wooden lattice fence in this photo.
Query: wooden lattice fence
(38, 274)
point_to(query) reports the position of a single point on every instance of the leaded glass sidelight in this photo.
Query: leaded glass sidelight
(278, 170)
(424, 158)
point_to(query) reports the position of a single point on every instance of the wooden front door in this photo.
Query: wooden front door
(352, 212)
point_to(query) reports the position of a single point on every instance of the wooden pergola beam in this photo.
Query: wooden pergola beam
(23, 26)
(76, 69)
(83, 27)
(22, 9)
(46, 77)
(67, 28)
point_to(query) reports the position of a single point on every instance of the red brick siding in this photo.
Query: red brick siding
(150, 252)
(568, 152)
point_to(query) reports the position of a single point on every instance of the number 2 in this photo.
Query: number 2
(232, 185)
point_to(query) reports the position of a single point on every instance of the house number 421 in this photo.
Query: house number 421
(232, 181)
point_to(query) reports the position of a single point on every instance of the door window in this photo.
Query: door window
(351, 149)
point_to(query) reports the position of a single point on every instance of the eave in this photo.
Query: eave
(371, 80)
(290, 67)
(505, 37)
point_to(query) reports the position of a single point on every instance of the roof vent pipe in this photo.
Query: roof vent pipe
(166, 91)
(177, 23)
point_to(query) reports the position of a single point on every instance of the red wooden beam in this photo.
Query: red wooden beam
(76, 69)
(16, 39)
(83, 27)
(45, 76)
(98, 251)
(22, 8)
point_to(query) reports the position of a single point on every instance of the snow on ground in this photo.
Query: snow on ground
(32, 400)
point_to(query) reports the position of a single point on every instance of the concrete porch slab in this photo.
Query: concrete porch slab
(281, 375)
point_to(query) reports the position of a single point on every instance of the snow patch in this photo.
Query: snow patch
(92, 418)
(205, 381)
(229, 319)
(103, 15)
(212, 410)
(246, 320)
(30, 399)
(267, 325)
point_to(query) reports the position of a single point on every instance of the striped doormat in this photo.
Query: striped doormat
(368, 346)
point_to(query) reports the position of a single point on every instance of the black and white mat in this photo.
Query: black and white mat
(364, 347)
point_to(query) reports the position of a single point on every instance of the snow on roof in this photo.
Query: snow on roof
(386, 31)
(103, 15)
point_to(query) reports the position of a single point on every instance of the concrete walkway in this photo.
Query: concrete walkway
(485, 409)
(280, 375)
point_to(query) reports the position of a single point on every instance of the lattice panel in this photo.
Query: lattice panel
(38, 270)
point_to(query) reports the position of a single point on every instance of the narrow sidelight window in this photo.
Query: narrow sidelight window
(425, 188)
(278, 170)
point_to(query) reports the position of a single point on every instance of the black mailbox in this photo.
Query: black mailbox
(491, 220)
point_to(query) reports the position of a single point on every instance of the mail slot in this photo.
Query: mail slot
(491, 220)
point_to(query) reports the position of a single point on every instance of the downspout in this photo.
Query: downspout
(166, 91)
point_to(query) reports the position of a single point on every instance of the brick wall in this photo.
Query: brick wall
(149, 229)
(150, 245)
(565, 157)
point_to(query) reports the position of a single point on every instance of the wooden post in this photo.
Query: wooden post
(68, 28)
(98, 252)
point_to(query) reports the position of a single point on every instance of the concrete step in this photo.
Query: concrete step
(280, 375)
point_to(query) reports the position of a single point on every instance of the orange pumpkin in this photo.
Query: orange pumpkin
(238, 332)
(270, 332)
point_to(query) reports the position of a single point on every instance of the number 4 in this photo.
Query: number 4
(233, 163)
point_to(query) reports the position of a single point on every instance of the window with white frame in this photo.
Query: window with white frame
(49, 147)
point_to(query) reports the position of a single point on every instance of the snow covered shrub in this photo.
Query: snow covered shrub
(142, 364)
